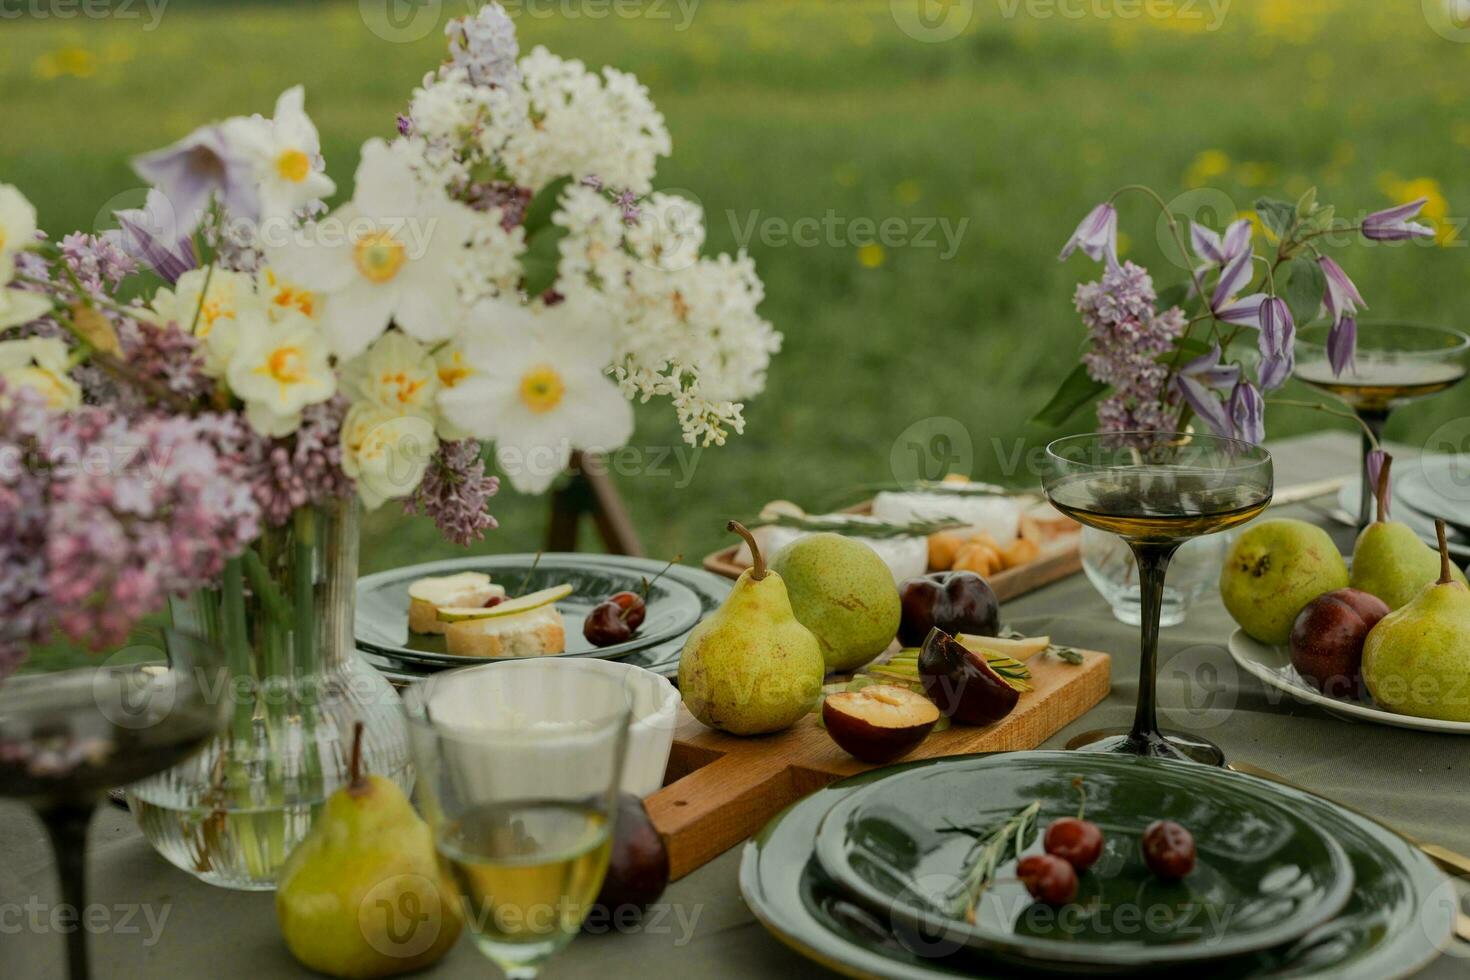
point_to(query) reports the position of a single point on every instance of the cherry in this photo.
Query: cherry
(494, 600)
(1048, 878)
(633, 607)
(1168, 849)
(605, 625)
(1078, 842)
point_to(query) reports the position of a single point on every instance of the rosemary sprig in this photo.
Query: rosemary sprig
(865, 528)
(991, 849)
(968, 489)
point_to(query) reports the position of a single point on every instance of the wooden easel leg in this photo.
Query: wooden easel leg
(591, 490)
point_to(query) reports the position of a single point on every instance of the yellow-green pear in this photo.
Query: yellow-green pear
(751, 667)
(1416, 661)
(1274, 569)
(363, 895)
(1389, 560)
(844, 593)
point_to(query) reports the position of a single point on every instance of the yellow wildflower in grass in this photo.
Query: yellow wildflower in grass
(908, 191)
(1253, 174)
(74, 61)
(1257, 226)
(846, 175)
(871, 255)
(1208, 165)
(1436, 206)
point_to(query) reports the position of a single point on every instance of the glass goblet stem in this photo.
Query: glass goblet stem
(1152, 558)
(1373, 421)
(67, 824)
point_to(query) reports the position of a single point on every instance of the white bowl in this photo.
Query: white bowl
(541, 708)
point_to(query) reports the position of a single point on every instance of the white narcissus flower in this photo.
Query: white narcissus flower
(397, 373)
(17, 228)
(539, 391)
(18, 306)
(385, 454)
(277, 369)
(287, 158)
(453, 370)
(212, 315)
(281, 295)
(40, 363)
(390, 255)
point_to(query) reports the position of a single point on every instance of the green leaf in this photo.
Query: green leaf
(1304, 289)
(1306, 204)
(1174, 295)
(1077, 390)
(543, 206)
(540, 260)
(1276, 215)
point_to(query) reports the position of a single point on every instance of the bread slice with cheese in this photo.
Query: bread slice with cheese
(428, 595)
(534, 633)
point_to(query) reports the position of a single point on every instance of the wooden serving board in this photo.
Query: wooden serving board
(719, 788)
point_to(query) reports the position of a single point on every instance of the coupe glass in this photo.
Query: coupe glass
(1155, 490)
(69, 736)
(1396, 363)
(518, 776)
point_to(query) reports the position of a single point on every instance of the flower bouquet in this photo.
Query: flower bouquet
(1159, 359)
(195, 406)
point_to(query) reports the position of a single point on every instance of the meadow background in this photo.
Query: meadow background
(791, 109)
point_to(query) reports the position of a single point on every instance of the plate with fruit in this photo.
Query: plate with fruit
(509, 607)
(1085, 861)
(1387, 640)
(1391, 926)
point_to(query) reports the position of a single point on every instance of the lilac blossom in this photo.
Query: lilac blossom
(1097, 236)
(1247, 413)
(284, 474)
(1128, 334)
(1342, 297)
(1277, 343)
(1393, 224)
(455, 491)
(1342, 344)
(98, 261)
(485, 47)
(203, 165)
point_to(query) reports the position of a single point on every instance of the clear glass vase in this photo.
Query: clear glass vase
(283, 614)
(1111, 568)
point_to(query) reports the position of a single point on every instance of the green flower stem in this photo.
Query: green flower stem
(304, 638)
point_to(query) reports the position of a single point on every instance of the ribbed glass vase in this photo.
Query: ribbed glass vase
(283, 613)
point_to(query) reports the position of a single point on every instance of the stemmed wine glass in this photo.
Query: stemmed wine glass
(69, 736)
(1396, 363)
(1155, 490)
(519, 767)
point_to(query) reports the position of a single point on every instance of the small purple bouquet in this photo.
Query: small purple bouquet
(1159, 359)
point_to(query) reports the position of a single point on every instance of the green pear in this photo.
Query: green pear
(1416, 661)
(751, 667)
(363, 895)
(844, 593)
(1389, 560)
(1274, 569)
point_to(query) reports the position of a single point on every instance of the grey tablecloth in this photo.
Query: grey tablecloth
(179, 928)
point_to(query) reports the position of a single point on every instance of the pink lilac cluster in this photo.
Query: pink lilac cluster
(105, 517)
(166, 355)
(1128, 334)
(304, 470)
(455, 491)
(98, 261)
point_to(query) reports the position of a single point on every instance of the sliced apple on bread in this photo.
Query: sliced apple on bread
(527, 626)
(428, 595)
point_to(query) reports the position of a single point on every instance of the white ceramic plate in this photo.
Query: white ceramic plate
(1402, 510)
(1273, 666)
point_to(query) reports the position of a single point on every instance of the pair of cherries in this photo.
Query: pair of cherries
(1073, 845)
(614, 619)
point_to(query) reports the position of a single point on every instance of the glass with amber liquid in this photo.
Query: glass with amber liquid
(1155, 490)
(1396, 363)
(520, 787)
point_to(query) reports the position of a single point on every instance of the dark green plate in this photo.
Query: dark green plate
(382, 604)
(1392, 925)
(1264, 876)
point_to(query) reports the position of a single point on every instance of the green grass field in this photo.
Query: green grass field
(790, 110)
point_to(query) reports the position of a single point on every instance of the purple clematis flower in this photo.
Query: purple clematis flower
(199, 166)
(1342, 344)
(1278, 344)
(1374, 462)
(1245, 311)
(1342, 298)
(1201, 382)
(1393, 224)
(1248, 413)
(1234, 277)
(1097, 236)
(151, 234)
(1214, 249)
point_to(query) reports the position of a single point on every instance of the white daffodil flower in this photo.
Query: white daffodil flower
(391, 255)
(540, 389)
(385, 454)
(277, 369)
(281, 294)
(211, 314)
(17, 229)
(40, 363)
(286, 153)
(398, 373)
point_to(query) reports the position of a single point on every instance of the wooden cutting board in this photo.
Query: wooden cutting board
(719, 789)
